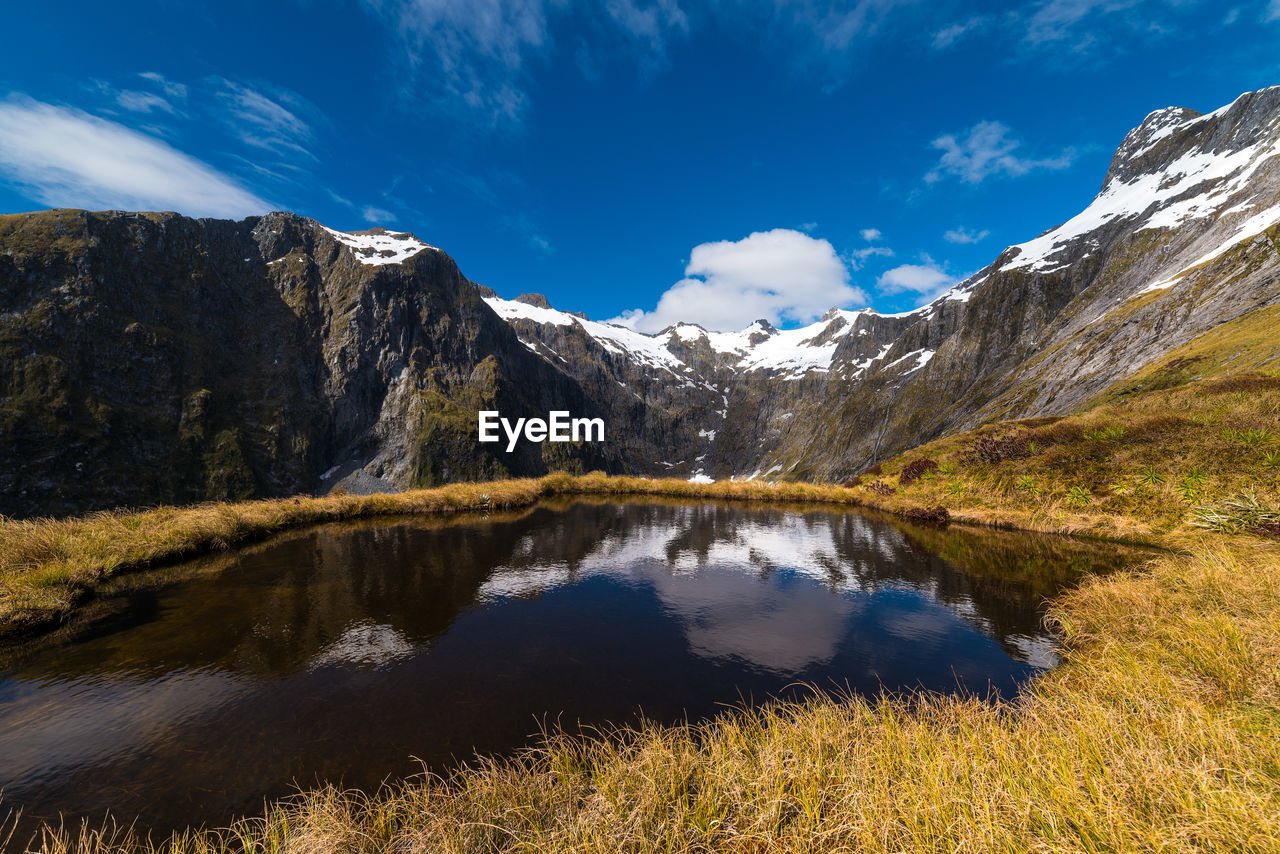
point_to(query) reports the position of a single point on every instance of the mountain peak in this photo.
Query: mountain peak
(1176, 168)
(1155, 127)
(378, 246)
(535, 300)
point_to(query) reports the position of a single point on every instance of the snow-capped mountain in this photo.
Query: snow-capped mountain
(1181, 238)
(155, 358)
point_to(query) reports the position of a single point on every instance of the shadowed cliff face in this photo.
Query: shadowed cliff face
(153, 358)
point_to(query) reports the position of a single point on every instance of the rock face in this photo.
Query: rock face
(152, 358)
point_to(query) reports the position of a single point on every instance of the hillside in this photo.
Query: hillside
(152, 358)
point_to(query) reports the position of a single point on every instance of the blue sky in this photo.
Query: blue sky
(645, 159)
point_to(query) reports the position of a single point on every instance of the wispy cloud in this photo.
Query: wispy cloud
(819, 40)
(858, 257)
(523, 225)
(173, 90)
(263, 120)
(985, 150)
(475, 54)
(965, 236)
(142, 102)
(953, 33)
(376, 215)
(67, 158)
(779, 275)
(1056, 20)
(650, 25)
(1063, 32)
(836, 25)
(157, 95)
(1272, 12)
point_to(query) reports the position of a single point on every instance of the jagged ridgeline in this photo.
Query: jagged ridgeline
(153, 358)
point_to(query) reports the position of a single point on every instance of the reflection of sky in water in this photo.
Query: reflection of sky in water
(775, 593)
(64, 724)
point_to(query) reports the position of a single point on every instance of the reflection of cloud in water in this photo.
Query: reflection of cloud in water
(771, 593)
(365, 644)
(1037, 652)
(782, 623)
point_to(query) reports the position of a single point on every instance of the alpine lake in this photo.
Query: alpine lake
(360, 653)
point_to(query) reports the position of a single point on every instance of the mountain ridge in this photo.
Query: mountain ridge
(149, 357)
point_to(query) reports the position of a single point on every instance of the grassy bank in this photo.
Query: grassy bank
(1159, 466)
(1160, 731)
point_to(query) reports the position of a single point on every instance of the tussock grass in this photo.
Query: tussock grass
(1134, 469)
(1159, 732)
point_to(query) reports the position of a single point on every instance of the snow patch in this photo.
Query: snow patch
(382, 247)
(1223, 175)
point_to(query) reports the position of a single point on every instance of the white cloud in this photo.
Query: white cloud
(858, 257)
(1054, 20)
(964, 235)
(986, 150)
(871, 235)
(1273, 11)
(174, 90)
(928, 280)
(67, 158)
(780, 275)
(834, 24)
(142, 102)
(649, 25)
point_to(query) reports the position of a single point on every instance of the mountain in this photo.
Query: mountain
(1181, 238)
(152, 358)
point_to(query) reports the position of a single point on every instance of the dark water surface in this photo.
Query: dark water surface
(343, 652)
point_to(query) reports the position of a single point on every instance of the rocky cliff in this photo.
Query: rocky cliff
(153, 358)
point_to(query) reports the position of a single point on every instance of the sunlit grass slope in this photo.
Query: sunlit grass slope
(1161, 464)
(1160, 731)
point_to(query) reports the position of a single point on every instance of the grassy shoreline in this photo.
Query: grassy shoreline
(50, 566)
(1159, 732)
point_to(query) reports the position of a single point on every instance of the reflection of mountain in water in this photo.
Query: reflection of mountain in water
(712, 565)
(337, 653)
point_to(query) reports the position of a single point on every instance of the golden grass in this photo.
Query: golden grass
(1134, 469)
(1159, 732)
